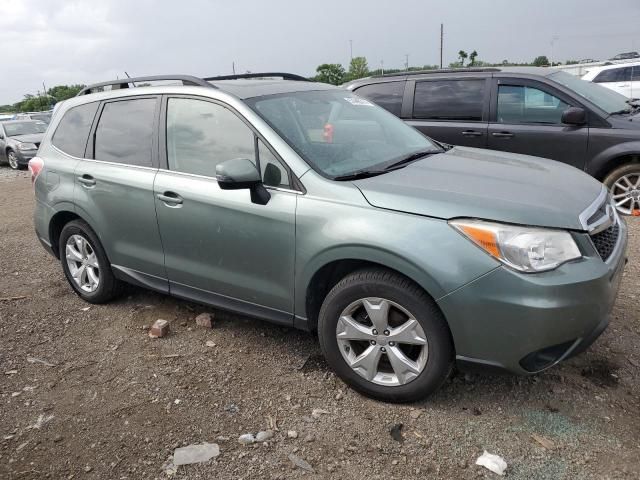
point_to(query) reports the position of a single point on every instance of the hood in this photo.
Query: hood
(29, 138)
(486, 184)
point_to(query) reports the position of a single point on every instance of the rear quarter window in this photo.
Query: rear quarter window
(73, 130)
(449, 99)
(388, 95)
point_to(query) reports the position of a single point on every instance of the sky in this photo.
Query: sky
(86, 41)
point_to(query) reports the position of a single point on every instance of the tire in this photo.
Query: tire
(12, 160)
(405, 297)
(632, 172)
(108, 287)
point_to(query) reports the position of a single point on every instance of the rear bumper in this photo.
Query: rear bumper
(525, 323)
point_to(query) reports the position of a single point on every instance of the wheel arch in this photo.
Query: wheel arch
(56, 224)
(323, 274)
(613, 158)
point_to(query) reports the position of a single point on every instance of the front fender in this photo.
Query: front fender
(604, 161)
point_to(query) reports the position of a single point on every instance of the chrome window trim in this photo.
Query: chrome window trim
(142, 167)
(206, 177)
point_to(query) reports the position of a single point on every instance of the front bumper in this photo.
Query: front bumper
(24, 156)
(526, 323)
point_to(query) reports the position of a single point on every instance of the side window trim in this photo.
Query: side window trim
(91, 142)
(522, 82)
(410, 97)
(294, 182)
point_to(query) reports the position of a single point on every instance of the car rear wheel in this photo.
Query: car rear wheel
(385, 337)
(12, 159)
(85, 263)
(624, 185)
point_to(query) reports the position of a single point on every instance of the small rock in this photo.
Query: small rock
(292, 434)
(231, 408)
(88, 468)
(204, 320)
(462, 464)
(309, 438)
(415, 414)
(222, 438)
(264, 436)
(300, 463)
(394, 462)
(57, 438)
(339, 396)
(396, 432)
(246, 439)
(195, 453)
(317, 412)
(210, 343)
(159, 329)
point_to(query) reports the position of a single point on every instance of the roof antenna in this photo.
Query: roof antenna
(129, 76)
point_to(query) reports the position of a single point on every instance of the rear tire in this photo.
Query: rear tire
(94, 281)
(405, 303)
(625, 177)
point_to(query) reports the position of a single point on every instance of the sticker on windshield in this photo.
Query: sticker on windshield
(359, 101)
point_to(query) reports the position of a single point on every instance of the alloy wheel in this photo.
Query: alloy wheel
(13, 160)
(382, 341)
(626, 193)
(83, 263)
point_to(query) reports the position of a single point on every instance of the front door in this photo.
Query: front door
(221, 248)
(526, 118)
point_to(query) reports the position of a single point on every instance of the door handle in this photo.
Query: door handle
(502, 134)
(471, 133)
(171, 199)
(87, 180)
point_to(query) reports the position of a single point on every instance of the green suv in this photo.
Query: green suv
(308, 206)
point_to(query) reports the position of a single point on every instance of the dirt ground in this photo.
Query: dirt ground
(85, 393)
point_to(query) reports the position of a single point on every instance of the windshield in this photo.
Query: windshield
(602, 97)
(24, 128)
(43, 117)
(338, 133)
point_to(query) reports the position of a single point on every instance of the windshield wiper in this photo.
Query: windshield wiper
(409, 158)
(360, 174)
(624, 111)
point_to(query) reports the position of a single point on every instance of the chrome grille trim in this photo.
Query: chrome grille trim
(600, 215)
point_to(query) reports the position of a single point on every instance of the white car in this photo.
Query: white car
(623, 78)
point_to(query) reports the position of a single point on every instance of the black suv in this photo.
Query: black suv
(535, 111)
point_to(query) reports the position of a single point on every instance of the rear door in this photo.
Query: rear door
(526, 118)
(114, 187)
(452, 110)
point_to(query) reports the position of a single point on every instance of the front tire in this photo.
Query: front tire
(12, 159)
(385, 336)
(624, 185)
(85, 263)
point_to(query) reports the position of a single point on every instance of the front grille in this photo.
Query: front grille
(606, 240)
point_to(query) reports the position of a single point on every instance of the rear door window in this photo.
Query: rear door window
(614, 75)
(73, 130)
(522, 104)
(388, 95)
(125, 132)
(449, 100)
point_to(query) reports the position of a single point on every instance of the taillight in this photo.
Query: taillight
(36, 164)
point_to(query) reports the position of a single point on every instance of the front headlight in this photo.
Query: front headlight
(27, 146)
(526, 249)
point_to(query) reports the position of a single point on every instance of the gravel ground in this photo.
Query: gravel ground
(85, 393)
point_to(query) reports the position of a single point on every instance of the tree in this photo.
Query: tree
(332, 73)
(462, 55)
(358, 68)
(541, 61)
(472, 58)
(64, 92)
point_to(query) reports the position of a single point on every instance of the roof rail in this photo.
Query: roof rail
(284, 76)
(439, 70)
(125, 82)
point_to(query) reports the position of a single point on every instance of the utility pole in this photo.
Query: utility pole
(382, 66)
(233, 67)
(406, 61)
(553, 39)
(46, 96)
(351, 48)
(441, 42)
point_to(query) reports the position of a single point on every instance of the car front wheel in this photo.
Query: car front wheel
(385, 337)
(12, 158)
(624, 185)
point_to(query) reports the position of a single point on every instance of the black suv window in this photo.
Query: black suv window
(520, 104)
(73, 130)
(614, 75)
(388, 95)
(202, 134)
(125, 132)
(449, 99)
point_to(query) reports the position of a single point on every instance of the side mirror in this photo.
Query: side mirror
(574, 116)
(241, 173)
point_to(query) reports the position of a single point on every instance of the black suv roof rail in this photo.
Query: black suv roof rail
(440, 70)
(283, 75)
(187, 80)
(124, 82)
